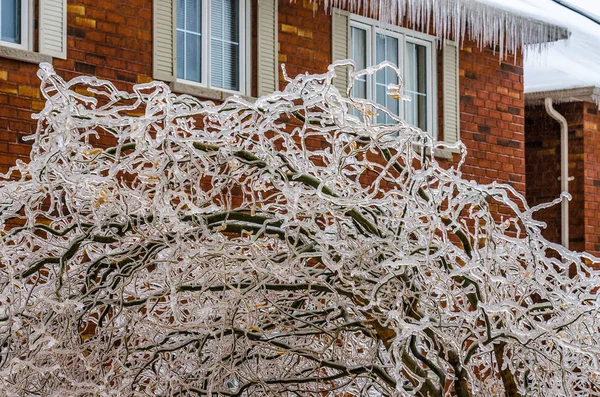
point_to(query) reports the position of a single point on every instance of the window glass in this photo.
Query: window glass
(225, 44)
(371, 45)
(416, 85)
(386, 49)
(10, 21)
(358, 52)
(189, 40)
(222, 57)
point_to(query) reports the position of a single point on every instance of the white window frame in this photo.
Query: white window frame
(404, 36)
(26, 28)
(244, 46)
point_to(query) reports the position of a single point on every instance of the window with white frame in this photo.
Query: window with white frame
(14, 23)
(413, 53)
(211, 43)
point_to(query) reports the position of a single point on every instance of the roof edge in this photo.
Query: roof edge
(460, 20)
(577, 94)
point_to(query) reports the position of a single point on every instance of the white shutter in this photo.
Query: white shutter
(53, 28)
(340, 42)
(163, 46)
(450, 93)
(267, 68)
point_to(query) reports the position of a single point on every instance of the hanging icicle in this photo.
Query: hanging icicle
(458, 20)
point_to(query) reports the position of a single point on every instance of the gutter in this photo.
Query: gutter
(564, 170)
(578, 94)
(488, 23)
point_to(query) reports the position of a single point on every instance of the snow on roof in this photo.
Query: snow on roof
(567, 64)
(509, 24)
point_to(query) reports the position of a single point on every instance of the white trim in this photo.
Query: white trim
(244, 50)
(182, 87)
(404, 35)
(393, 28)
(370, 40)
(431, 80)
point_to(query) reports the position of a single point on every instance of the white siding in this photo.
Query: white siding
(450, 93)
(267, 70)
(163, 53)
(53, 28)
(340, 42)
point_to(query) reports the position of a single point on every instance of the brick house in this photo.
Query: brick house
(468, 88)
(543, 141)
(569, 78)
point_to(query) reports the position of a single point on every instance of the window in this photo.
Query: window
(202, 47)
(414, 55)
(211, 43)
(14, 23)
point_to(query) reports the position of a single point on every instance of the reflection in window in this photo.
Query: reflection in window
(358, 52)
(386, 49)
(415, 85)
(371, 45)
(10, 21)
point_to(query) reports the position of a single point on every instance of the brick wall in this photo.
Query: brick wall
(491, 109)
(492, 116)
(109, 39)
(19, 98)
(591, 177)
(542, 156)
(543, 171)
(113, 40)
(304, 38)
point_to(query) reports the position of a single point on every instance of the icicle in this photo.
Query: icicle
(459, 20)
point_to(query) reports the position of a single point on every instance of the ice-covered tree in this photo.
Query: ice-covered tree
(156, 244)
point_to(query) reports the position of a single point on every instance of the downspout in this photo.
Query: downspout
(564, 171)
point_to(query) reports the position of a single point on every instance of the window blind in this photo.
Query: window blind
(225, 44)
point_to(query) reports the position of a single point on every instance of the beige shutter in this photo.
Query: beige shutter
(267, 69)
(53, 28)
(340, 42)
(163, 47)
(450, 93)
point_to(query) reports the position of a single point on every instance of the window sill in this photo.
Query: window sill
(443, 154)
(23, 55)
(204, 93)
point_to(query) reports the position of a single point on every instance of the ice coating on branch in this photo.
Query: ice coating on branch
(508, 25)
(157, 244)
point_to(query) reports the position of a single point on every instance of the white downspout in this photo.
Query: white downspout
(564, 171)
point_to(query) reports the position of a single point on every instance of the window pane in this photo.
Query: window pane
(193, 16)
(189, 39)
(180, 14)
(10, 21)
(224, 44)
(386, 50)
(416, 85)
(193, 56)
(180, 54)
(358, 53)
